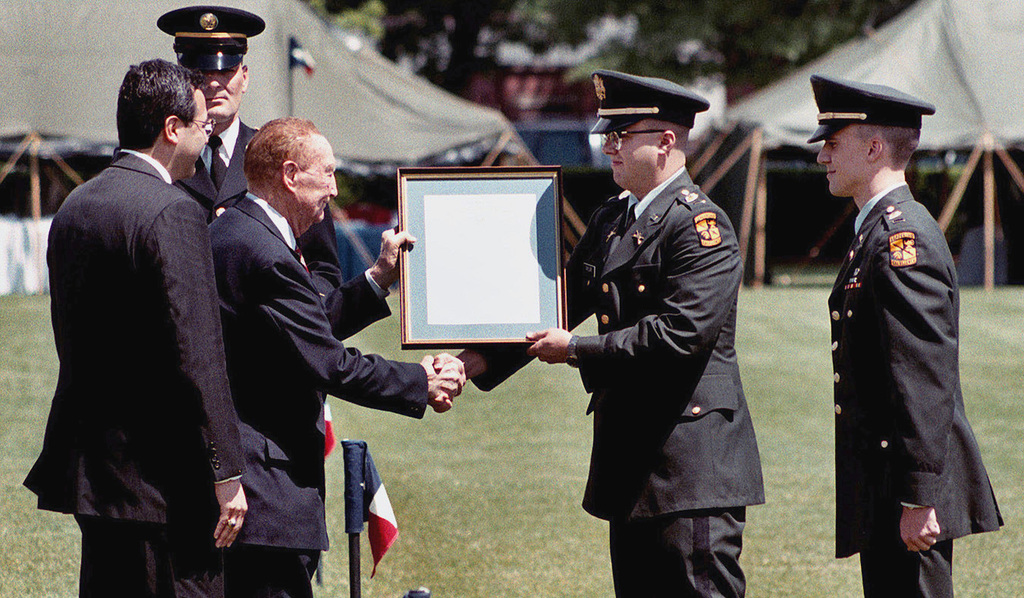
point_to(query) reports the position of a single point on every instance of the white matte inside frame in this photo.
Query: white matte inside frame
(481, 266)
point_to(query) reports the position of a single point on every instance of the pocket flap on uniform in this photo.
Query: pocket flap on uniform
(714, 392)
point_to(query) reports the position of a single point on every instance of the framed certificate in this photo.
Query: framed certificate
(486, 267)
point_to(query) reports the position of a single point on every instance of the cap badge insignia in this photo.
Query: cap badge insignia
(707, 229)
(902, 249)
(208, 21)
(599, 87)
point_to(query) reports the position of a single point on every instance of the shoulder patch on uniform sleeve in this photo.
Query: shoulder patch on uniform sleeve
(706, 224)
(902, 249)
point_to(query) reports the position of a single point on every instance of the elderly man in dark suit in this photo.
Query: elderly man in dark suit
(142, 441)
(214, 41)
(909, 475)
(675, 461)
(282, 356)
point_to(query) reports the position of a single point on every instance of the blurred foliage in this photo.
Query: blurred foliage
(752, 42)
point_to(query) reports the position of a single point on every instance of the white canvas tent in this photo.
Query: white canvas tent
(964, 56)
(63, 63)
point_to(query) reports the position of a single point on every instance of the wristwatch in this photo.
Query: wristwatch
(570, 357)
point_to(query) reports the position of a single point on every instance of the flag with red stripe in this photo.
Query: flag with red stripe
(366, 501)
(329, 439)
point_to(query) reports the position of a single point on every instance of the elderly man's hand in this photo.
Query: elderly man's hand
(446, 376)
(385, 270)
(550, 346)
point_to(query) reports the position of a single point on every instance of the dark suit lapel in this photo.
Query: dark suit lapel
(200, 186)
(648, 225)
(250, 208)
(234, 183)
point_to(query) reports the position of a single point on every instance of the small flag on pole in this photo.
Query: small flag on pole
(330, 441)
(366, 501)
(299, 57)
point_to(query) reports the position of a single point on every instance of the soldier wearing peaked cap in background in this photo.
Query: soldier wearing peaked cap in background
(675, 460)
(214, 40)
(909, 475)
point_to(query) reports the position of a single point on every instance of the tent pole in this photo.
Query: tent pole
(710, 151)
(961, 186)
(989, 212)
(750, 190)
(507, 137)
(760, 222)
(572, 222)
(9, 166)
(503, 141)
(727, 165)
(35, 195)
(67, 170)
(1011, 167)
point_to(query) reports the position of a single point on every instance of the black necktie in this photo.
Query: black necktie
(217, 166)
(627, 220)
(624, 223)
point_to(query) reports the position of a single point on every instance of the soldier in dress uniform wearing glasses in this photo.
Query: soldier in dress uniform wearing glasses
(675, 460)
(909, 474)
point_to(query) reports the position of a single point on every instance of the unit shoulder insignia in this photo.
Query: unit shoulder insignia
(902, 249)
(706, 224)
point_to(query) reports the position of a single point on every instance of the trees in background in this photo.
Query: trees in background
(751, 42)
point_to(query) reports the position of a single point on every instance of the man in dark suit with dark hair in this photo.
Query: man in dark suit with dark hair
(214, 41)
(675, 461)
(142, 441)
(909, 474)
(282, 357)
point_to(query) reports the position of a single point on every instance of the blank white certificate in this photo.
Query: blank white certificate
(481, 265)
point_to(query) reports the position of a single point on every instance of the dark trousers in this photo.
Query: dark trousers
(252, 571)
(147, 560)
(889, 570)
(692, 554)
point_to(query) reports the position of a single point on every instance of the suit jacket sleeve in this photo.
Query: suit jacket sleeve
(352, 306)
(179, 243)
(919, 334)
(698, 290)
(370, 380)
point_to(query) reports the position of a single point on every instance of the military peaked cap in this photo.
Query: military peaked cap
(842, 102)
(627, 99)
(210, 38)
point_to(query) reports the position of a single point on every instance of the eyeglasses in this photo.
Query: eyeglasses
(616, 137)
(205, 125)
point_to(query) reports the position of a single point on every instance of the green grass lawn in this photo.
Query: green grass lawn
(488, 495)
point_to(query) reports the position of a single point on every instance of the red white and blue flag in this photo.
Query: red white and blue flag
(366, 501)
(299, 57)
(330, 441)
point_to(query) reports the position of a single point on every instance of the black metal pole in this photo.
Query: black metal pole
(354, 578)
